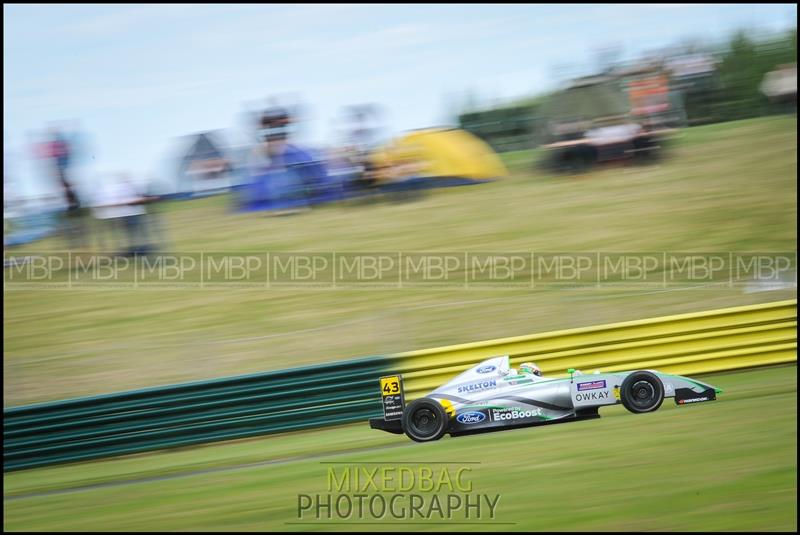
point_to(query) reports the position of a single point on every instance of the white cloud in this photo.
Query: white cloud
(113, 23)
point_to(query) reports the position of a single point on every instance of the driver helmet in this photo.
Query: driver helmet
(530, 368)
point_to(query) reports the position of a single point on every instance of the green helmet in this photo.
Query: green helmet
(530, 368)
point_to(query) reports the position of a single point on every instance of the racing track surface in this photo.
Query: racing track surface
(726, 465)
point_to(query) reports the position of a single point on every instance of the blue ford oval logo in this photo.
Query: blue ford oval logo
(471, 418)
(486, 369)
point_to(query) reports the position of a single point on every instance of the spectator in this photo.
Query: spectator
(121, 207)
(297, 166)
(363, 139)
(57, 152)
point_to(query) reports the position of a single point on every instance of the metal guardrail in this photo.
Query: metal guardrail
(347, 391)
(190, 413)
(695, 343)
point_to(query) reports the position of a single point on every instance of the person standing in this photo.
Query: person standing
(57, 152)
(121, 207)
(297, 177)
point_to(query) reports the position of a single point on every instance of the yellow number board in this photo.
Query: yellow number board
(392, 396)
(390, 385)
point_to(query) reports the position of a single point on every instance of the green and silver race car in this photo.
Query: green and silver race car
(491, 396)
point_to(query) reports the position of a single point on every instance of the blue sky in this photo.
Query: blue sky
(137, 77)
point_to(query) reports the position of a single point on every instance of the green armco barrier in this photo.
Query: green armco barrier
(191, 413)
(347, 391)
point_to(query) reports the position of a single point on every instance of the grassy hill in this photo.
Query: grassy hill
(728, 187)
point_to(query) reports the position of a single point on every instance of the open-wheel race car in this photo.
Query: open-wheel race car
(492, 396)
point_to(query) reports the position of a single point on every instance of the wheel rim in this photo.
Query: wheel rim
(643, 394)
(424, 422)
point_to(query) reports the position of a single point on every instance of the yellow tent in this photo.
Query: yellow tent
(439, 153)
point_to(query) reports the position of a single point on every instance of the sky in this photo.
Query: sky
(135, 78)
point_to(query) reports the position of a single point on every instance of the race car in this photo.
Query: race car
(492, 396)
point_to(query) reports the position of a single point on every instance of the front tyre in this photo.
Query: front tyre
(642, 392)
(424, 420)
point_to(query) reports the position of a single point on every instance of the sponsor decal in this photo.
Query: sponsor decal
(616, 393)
(477, 387)
(392, 396)
(669, 390)
(484, 403)
(515, 413)
(448, 407)
(693, 400)
(469, 418)
(519, 381)
(594, 385)
(590, 396)
(486, 369)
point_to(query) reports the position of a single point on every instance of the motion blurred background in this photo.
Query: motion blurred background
(137, 130)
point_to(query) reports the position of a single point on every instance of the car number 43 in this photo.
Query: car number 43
(390, 385)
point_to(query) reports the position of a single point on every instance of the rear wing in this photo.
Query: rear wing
(393, 401)
(392, 397)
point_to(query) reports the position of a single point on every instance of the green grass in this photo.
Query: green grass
(726, 465)
(725, 188)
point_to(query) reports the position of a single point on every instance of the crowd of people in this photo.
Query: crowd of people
(111, 215)
(283, 176)
(116, 213)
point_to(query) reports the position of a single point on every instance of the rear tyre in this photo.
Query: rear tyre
(424, 420)
(642, 392)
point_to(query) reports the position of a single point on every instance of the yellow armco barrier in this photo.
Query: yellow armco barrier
(699, 342)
